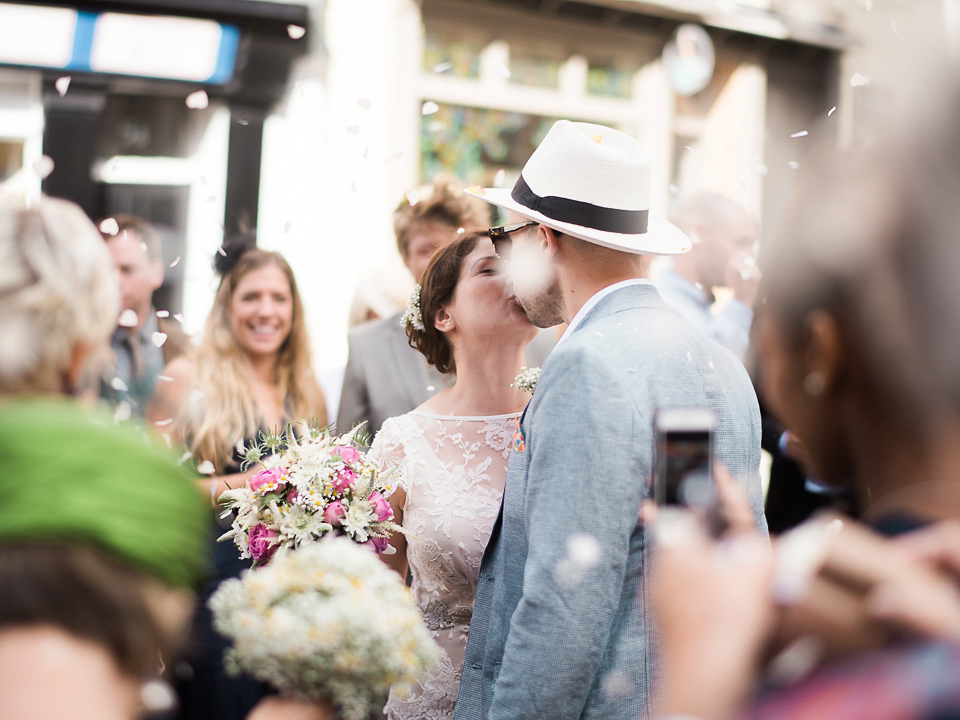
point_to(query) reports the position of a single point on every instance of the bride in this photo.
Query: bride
(452, 451)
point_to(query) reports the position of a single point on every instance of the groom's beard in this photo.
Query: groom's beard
(535, 285)
(545, 309)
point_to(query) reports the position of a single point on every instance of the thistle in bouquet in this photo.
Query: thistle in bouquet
(329, 622)
(310, 484)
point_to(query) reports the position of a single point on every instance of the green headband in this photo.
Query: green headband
(68, 477)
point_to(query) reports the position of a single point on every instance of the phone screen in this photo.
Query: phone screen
(684, 467)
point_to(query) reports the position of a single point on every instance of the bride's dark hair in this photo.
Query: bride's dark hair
(436, 290)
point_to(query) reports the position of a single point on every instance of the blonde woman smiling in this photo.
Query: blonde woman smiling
(250, 373)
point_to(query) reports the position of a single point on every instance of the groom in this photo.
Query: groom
(559, 627)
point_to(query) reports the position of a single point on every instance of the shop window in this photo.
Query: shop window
(445, 56)
(609, 80)
(476, 144)
(11, 158)
(527, 68)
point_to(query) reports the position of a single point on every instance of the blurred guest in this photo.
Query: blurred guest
(87, 606)
(93, 603)
(723, 235)
(142, 342)
(58, 298)
(858, 340)
(386, 377)
(250, 374)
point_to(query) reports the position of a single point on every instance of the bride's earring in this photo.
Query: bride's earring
(814, 383)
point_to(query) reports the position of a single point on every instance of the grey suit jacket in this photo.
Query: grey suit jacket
(557, 633)
(384, 376)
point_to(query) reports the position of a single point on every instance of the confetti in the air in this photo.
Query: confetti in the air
(163, 423)
(163, 313)
(198, 100)
(222, 251)
(43, 167)
(296, 31)
(123, 412)
(206, 468)
(859, 80)
(183, 458)
(175, 262)
(441, 68)
(62, 85)
(118, 384)
(832, 111)
(500, 179)
(802, 133)
(165, 378)
(793, 165)
(158, 338)
(179, 318)
(429, 108)
(128, 318)
(110, 226)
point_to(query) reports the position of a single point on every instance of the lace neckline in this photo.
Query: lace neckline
(437, 416)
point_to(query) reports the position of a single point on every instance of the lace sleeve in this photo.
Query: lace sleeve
(388, 451)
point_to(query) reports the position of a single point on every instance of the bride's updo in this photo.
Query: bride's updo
(436, 290)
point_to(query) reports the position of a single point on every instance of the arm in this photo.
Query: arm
(585, 479)
(354, 402)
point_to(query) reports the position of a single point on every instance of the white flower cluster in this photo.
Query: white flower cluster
(327, 622)
(527, 379)
(318, 484)
(413, 316)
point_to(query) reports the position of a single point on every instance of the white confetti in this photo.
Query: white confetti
(505, 71)
(163, 423)
(859, 80)
(689, 357)
(179, 318)
(43, 167)
(500, 179)
(62, 85)
(118, 384)
(617, 684)
(128, 318)
(198, 100)
(206, 468)
(222, 251)
(166, 439)
(158, 338)
(430, 388)
(461, 231)
(183, 458)
(109, 226)
(165, 378)
(832, 111)
(583, 552)
(296, 31)
(429, 108)
(441, 68)
(793, 165)
(122, 413)
(163, 313)
(175, 262)
(436, 126)
(241, 121)
(802, 133)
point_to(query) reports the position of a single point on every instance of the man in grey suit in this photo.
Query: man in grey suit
(384, 375)
(559, 624)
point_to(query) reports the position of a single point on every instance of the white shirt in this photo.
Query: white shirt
(597, 297)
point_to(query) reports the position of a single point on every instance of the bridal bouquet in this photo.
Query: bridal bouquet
(318, 484)
(327, 622)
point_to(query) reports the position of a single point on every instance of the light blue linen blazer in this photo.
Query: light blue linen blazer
(545, 643)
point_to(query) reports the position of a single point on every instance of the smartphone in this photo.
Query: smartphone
(683, 472)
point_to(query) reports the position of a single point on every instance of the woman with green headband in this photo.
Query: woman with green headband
(99, 533)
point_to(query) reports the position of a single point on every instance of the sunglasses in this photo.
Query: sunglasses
(500, 236)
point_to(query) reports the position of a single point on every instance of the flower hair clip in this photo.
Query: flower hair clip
(527, 380)
(413, 317)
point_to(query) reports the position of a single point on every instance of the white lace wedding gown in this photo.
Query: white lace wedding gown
(453, 470)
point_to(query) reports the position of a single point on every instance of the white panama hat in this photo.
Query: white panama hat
(591, 182)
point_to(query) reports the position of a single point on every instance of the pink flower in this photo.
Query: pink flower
(347, 453)
(261, 549)
(334, 512)
(344, 480)
(266, 480)
(381, 507)
(291, 495)
(378, 544)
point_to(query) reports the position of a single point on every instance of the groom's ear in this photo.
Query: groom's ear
(549, 240)
(443, 320)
